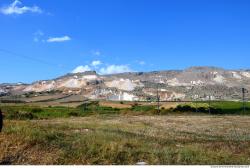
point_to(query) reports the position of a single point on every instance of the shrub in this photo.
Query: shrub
(135, 105)
(27, 115)
(184, 108)
(36, 110)
(17, 115)
(216, 110)
(74, 114)
(202, 109)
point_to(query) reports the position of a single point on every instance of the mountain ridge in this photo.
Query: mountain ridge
(195, 81)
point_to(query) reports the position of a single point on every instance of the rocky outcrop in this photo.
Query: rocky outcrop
(199, 82)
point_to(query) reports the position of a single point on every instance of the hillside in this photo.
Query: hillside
(191, 83)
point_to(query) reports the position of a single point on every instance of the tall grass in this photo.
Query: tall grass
(99, 142)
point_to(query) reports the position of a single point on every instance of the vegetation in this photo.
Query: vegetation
(33, 112)
(93, 108)
(95, 134)
(127, 140)
(222, 107)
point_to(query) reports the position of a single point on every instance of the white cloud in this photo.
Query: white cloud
(37, 36)
(96, 53)
(15, 8)
(141, 62)
(36, 39)
(81, 69)
(113, 69)
(39, 33)
(58, 39)
(96, 63)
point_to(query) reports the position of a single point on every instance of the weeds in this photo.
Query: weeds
(119, 140)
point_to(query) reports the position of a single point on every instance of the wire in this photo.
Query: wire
(30, 58)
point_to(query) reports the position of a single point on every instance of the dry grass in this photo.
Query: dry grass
(115, 104)
(168, 105)
(43, 97)
(179, 139)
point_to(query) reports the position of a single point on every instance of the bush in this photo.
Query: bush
(74, 114)
(188, 108)
(184, 108)
(36, 110)
(116, 109)
(202, 109)
(27, 115)
(216, 110)
(135, 105)
(17, 115)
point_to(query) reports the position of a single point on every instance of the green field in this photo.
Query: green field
(93, 108)
(216, 107)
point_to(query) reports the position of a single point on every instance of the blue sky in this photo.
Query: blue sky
(48, 38)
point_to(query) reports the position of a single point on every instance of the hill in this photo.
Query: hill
(191, 83)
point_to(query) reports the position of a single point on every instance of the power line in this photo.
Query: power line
(29, 58)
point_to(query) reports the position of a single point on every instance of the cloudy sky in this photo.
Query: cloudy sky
(48, 38)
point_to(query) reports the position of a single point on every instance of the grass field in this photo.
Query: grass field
(216, 107)
(127, 140)
(96, 134)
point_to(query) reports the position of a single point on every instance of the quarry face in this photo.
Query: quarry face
(171, 85)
